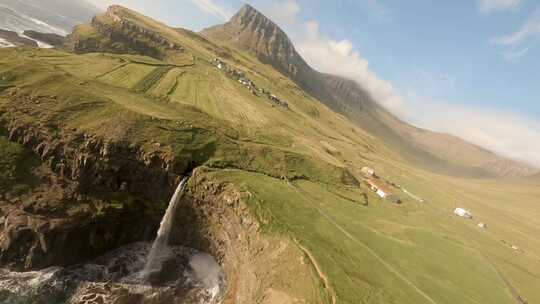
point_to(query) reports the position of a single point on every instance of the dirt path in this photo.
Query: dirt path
(513, 291)
(321, 274)
(371, 251)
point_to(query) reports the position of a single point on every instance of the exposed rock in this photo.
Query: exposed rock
(214, 217)
(15, 39)
(91, 194)
(103, 166)
(114, 33)
(48, 38)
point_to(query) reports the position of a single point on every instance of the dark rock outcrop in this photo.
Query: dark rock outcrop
(15, 39)
(114, 33)
(43, 229)
(48, 38)
(93, 197)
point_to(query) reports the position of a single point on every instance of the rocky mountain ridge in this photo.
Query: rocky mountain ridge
(111, 33)
(251, 31)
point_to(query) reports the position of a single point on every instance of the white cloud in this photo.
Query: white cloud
(340, 58)
(505, 133)
(529, 29)
(515, 54)
(213, 8)
(517, 44)
(488, 6)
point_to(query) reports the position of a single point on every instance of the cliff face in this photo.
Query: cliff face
(114, 33)
(94, 195)
(91, 195)
(48, 38)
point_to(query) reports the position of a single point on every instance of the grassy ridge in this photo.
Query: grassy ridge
(378, 254)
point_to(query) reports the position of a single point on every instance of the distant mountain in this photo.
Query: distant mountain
(249, 30)
(122, 31)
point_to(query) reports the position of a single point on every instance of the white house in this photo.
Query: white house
(368, 171)
(379, 188)
(463, 213)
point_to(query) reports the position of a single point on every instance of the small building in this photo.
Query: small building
(368, 171)
(463, 213)
(379, 187)
(482, 225)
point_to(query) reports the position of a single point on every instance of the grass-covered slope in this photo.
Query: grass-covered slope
(299, 169)
(416, 253)
(114, 105)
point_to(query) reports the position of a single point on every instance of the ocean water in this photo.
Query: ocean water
(190, 275)
(52, 16)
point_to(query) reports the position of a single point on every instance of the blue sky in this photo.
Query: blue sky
(465, 67)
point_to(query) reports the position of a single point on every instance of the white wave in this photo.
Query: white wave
(5, 44)
(41, 45)
(15, 21)
(23, 282)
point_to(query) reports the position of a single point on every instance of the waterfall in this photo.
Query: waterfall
(160, 250)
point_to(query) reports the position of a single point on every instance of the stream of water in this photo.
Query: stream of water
(138, 273)
(160, 250)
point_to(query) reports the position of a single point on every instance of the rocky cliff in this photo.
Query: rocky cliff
(115, 33)
(95, 195)
(48, 38)
(89, 196)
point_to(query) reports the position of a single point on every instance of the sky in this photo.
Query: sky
(465, 67)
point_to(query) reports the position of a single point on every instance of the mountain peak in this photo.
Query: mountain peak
(252, 31)
(248, 9)
(250, 19)
(248, 12)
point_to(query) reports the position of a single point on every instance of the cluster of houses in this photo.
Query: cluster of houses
(379, 186)
(383, 189)
(461, 212)
(246, 82)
